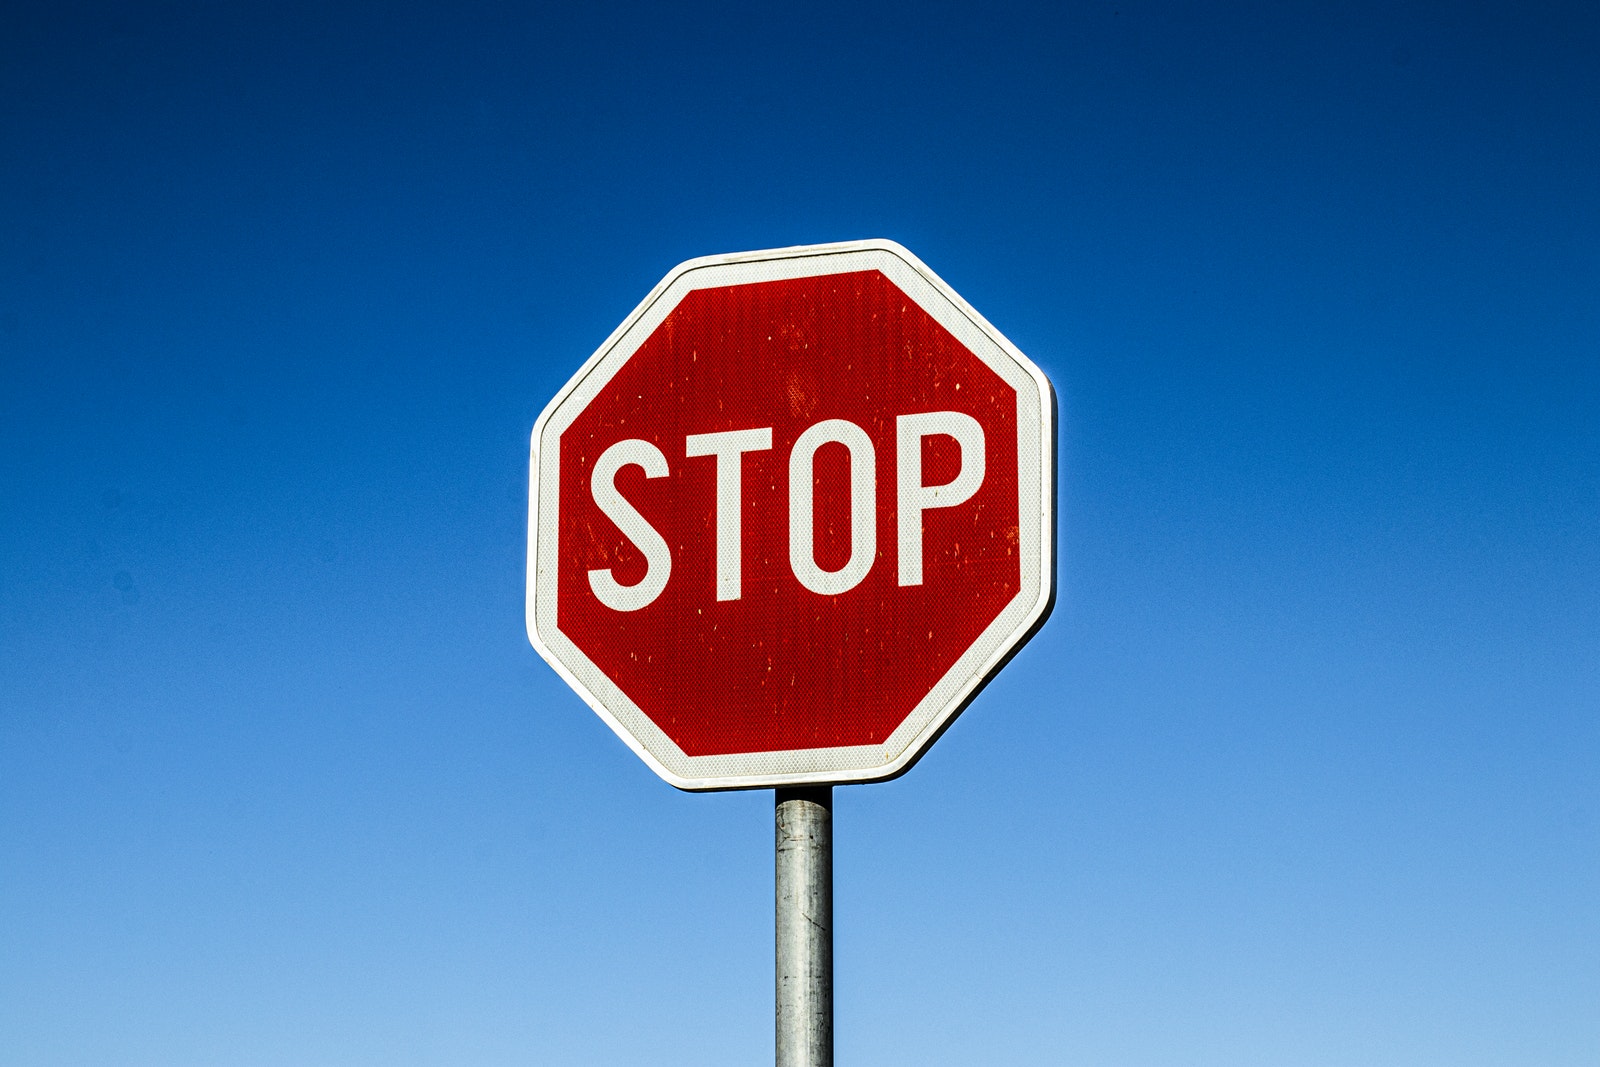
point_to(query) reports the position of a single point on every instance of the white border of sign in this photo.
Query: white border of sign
(998, 642)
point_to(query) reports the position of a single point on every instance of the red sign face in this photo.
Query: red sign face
(790, 516)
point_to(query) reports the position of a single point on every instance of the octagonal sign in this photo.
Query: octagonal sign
(790, 516)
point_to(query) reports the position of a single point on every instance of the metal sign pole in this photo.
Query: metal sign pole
(804, 868)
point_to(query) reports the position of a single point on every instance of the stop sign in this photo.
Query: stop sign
(790, 516)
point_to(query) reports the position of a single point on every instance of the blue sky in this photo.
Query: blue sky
(1302, 771)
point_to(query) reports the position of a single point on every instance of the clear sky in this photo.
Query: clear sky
(1302, 771)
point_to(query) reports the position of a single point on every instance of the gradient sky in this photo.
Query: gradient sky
(1302, 771)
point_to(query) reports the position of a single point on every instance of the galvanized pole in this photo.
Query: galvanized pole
(804, 822)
